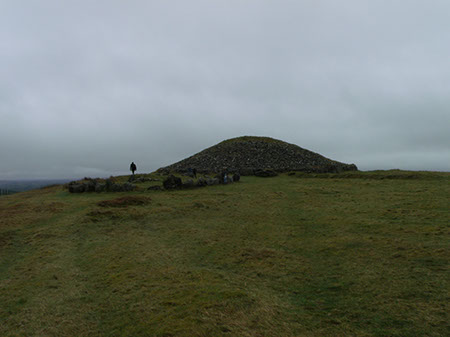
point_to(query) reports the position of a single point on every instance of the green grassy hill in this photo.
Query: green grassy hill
(361, 254)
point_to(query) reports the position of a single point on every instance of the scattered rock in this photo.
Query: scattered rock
(94, 185)
(137, 179)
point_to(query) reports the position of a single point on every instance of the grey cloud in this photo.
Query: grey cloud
(86, 87)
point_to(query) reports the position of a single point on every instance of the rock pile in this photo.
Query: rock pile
(173, 183)
(96, 185)
(253, 155)
(139, 179)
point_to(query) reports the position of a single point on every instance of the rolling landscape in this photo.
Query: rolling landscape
(224, 168)
(298, 254)
(14, 186)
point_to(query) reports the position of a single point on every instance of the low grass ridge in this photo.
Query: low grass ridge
(377, 175)
(283, 256)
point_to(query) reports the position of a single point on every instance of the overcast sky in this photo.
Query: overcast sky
(86, 87)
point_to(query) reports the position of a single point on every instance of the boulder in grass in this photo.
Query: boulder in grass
(90, 185)
(115, 188)
(77, 188)
(219, 177)
(100, 188)
(127, 187)
(201, 182)
(212, 181)
(172, 182)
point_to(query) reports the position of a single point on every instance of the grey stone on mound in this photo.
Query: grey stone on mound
(248, 155)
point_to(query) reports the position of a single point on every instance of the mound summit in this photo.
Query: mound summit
(246, 155)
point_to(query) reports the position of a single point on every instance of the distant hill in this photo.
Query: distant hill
(15, 186)
(5, 191)
(248, 154)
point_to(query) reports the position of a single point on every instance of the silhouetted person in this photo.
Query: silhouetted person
(194, 172)
(133, 167)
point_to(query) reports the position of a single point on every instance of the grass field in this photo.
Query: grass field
(357, 254)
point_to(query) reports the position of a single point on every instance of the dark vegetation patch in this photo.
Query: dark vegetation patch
(117, 214)
(125, 201)
(52, 207)
(98, 215)
(6, 238)
(256, 254)
(12, 214)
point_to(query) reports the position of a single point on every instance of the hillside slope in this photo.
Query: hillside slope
(353, 254)
(249, 154)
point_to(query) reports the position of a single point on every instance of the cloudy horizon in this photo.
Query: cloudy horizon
(88, 87)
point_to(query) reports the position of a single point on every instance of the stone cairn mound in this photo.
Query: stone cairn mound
(261, 156)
